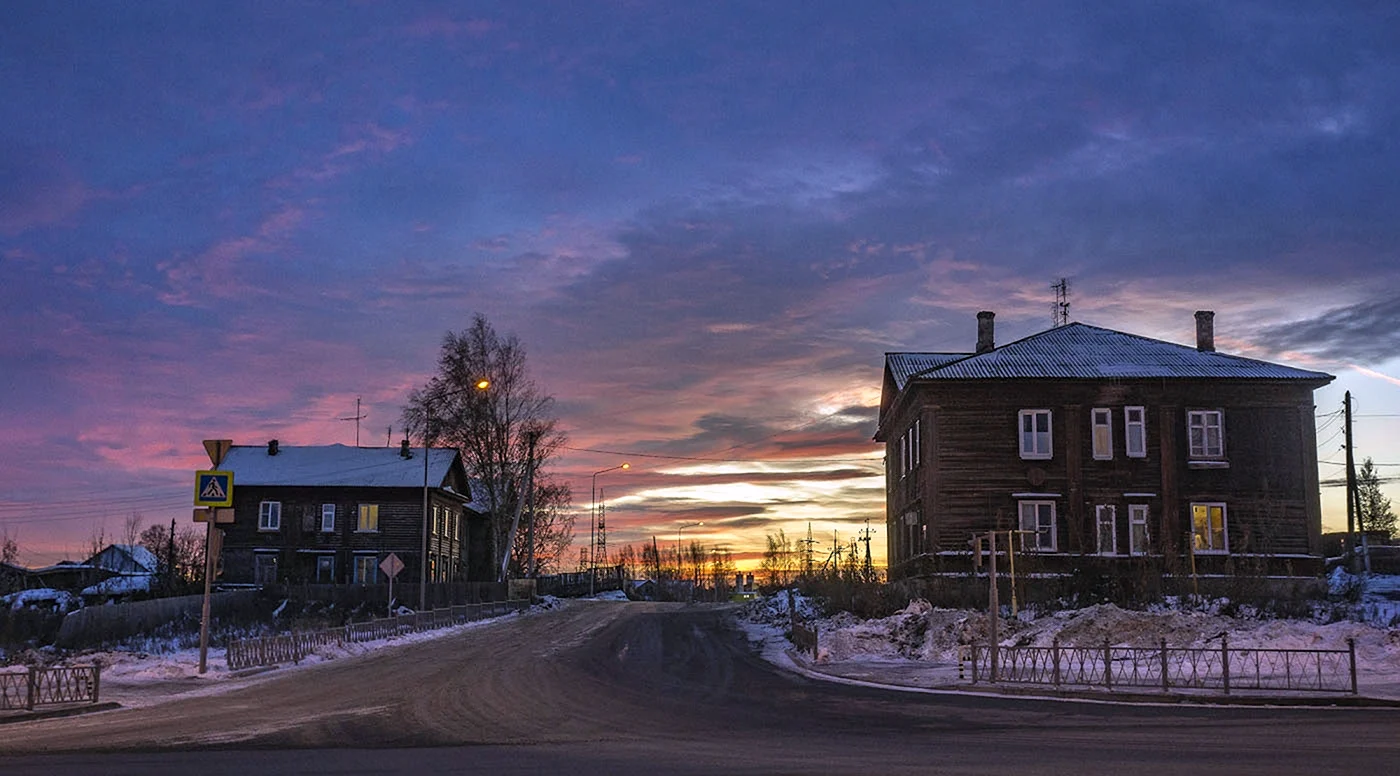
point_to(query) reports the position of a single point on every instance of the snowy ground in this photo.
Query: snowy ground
(920, 645)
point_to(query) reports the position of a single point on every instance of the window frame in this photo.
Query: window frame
(362, 568)
(270, 516)
(1203, 452)
(374, 521)
(1111, 512)
(1138, 515)
(1022, 435)
(1196, 543)
(1141, 424)
(910, 453)
(1102, 452)
(262, 562)
(328, 511)
(327, 562)
(1037, 532)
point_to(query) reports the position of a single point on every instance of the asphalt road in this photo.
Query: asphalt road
(615, 687)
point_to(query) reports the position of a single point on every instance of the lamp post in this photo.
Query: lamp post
(480, 385)
(593, 523)
(680, 559)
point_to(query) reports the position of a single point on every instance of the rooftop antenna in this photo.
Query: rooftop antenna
(359, 416)
(388, 436)
(1060, 311)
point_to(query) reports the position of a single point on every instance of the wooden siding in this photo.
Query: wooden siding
(400, 530)
(972, 465)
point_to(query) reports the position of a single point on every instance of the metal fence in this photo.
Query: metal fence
(293, 647)
(1166, 668)
(37, 686)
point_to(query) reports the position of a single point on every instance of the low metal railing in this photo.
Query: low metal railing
(804, 638)
(1224, 668)
(293, 647)
(37, 686)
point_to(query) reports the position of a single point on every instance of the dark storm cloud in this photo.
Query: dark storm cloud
(1363, 334)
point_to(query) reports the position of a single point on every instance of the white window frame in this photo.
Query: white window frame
(366, 571)
(1106, 515)
(1033, 451)
(1035, 541)
(1137, 518)
(360, 521)
(1140, 424)
(909, 449)
(327, 562)
(1201, 419)
(1204, 544)
(328, 518)
(270, 516)
(1103, 449)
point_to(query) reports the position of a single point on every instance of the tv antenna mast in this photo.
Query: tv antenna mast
(1060, 311)
(357, 417)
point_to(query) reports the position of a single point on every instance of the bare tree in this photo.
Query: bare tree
(131, 529)
(180, 562)
(9, 547)
(553, 529)
(779, 558)
(483, 402)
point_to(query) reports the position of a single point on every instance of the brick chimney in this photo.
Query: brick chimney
(986, 334)
(272, 447)
(405, 450)
(1205, 331)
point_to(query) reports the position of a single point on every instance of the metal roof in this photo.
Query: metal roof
(337, 466)
(1079, 351)
(906, 365)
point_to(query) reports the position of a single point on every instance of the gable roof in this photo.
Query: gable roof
(902, 366)
(1078, 351)
(337, 466)
(125, 558)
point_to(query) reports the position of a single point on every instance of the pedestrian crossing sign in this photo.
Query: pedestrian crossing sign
(213, 489)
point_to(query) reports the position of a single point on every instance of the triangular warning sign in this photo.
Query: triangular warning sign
(213, 490)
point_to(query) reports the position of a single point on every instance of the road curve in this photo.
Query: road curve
(616, 687)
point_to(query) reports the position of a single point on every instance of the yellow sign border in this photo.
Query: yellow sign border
(228, 497)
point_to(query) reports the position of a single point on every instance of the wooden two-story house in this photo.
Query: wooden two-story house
(332, 514)
(1095, 443)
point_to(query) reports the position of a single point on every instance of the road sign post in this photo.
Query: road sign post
(391, 566)
(212, 489)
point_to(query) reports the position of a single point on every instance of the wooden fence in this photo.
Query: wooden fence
(36, 686)
(1161, 667)
(292, 647)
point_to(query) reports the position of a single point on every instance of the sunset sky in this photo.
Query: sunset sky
(706, 222)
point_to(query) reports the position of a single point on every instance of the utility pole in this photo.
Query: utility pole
(530, 500)
(1351, 487)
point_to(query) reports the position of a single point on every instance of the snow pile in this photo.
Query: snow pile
(773, 610)
(46, 598)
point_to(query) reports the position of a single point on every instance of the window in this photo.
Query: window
(1208, 528)
(1103, 434)
(328, 518)
(325, 569)
(1106, 516)
(1135, 431)
(1137, 529)
(1206, 431)
(369, 518)
(913, 534)
(365, 569)
(1038, 517)
(452, 525)
(270, 516)
(1035, 434)
(265, 566)
(909, 450)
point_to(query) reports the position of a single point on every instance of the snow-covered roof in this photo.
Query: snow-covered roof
(905, 365)
(1081, 351)
(37, 596)
(129, 557)
(336, 466)
(122, 584)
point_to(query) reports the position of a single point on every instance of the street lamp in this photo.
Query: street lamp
(593, 523)
(680, 559)
(480, 385)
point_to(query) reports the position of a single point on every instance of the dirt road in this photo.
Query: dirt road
(616, 687)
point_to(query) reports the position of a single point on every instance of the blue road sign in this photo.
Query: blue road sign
(213, 489)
